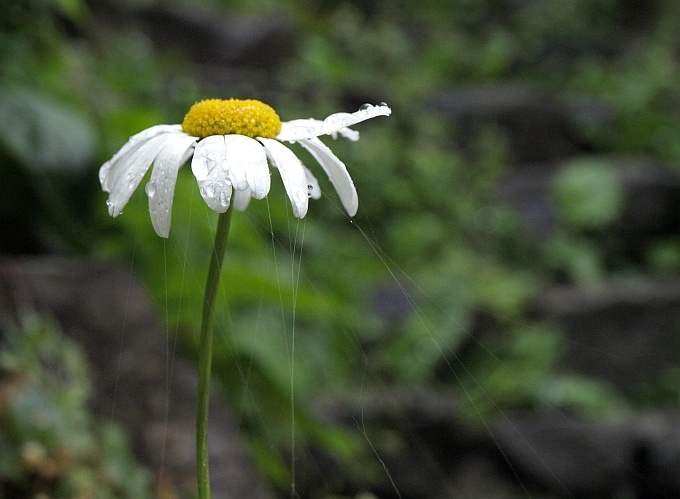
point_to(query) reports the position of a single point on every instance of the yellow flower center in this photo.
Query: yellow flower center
(251, 118)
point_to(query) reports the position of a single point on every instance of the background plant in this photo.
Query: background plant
(433, 229)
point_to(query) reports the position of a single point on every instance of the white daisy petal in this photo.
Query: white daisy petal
(336, 122)
(109, 170)
(313, 189)
(161, 187)
(292, 173)
(348, 133)
(231, 165)
(292, 131)
(242, 199)
(127, 174)
(209, 168)
(300, 129)
(336, 171)
(247, 164)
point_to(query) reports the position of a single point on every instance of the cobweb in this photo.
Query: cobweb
(288, 258)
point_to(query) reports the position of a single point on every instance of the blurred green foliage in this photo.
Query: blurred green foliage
(51, 444)
(588, 194)
(431, 227)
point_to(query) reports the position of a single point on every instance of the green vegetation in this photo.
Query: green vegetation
(51, 444)
(430, 227)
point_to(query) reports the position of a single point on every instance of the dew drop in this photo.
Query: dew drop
(224, 199)
(210, 163)
(310, 188)
(210, 191)
(366, 106)
(150, 189)
(382, 104)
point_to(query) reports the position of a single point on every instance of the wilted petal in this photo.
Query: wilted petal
(211, 173)
(292, 174)
(161, 187)
(336, 171)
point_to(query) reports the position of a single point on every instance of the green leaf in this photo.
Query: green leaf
(588, 194)
(44, 135)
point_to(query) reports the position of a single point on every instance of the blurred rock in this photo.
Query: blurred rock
(625, 333)
(228, 53)
(656, 455)
(536, 127)
(426, 451)
(568, 457)
(139, 378)
(218, 37)
(652, 195)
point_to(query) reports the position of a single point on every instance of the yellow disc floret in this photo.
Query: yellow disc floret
(223, 117)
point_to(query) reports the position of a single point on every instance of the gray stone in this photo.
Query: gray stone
(536, 127)
(625, 333)
(651, 198)
(139, 378)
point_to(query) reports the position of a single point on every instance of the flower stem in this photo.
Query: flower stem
(205, 352)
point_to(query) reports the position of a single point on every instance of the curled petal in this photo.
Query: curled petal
(338, 121)
(336, 171)
(292, 173)
(212, 174)
(300, 129)
(161, 187)
(292, 131)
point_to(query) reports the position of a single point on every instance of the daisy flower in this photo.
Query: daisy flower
(229, 143)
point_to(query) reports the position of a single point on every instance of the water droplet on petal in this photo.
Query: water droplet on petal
(224, 199)
(211, 163)
(150, 189)
(382, 104)
(310, 188)
(366, 106)
(210, 191)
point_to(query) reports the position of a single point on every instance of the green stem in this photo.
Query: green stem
(205, 352)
